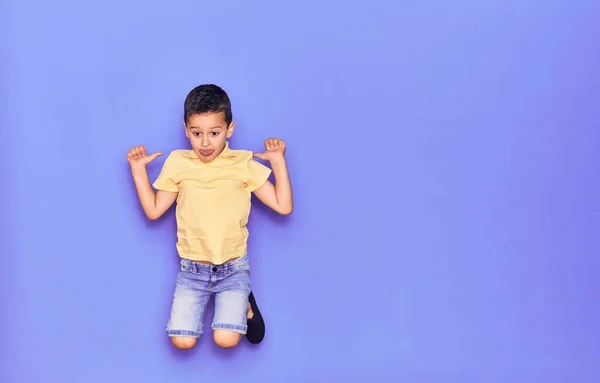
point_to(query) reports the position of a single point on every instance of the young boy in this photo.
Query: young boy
(212, 185)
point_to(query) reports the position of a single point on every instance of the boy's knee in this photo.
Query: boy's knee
(183, 343)
(226, 339)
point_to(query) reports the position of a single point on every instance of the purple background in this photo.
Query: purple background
(443, 158)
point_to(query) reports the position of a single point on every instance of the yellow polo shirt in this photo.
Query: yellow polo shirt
(213, 204)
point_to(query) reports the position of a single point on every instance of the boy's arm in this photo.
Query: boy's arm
(279, 196)
(154, 204)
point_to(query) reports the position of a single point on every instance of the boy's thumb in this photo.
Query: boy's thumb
(258, 155)
(157, 154)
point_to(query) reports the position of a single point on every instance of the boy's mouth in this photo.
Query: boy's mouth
(205, 152)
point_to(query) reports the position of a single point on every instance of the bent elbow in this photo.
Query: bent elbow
(152, 216)
(286, 211)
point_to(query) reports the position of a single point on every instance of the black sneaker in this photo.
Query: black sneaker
(256, 324)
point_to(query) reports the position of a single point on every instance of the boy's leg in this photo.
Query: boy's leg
(256, 324)
(187, 310)
(231, 302)
(229, 324)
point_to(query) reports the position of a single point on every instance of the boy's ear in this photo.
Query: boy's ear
(230, 129)
(187, 134)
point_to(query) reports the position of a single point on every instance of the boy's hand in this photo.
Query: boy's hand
(138, 156)
(275, 150)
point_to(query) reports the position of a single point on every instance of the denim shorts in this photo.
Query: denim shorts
(196, 283)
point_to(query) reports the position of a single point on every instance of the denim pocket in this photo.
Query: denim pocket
(242, 266)
(187, 266)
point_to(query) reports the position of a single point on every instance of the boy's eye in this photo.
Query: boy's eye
(215, 134)
(196, 133)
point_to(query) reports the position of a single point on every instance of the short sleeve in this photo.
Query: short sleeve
(166, 179)
(258, 174)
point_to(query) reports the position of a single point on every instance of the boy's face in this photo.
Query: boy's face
(207, 134)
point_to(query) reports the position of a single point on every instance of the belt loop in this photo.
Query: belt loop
(192, 266)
